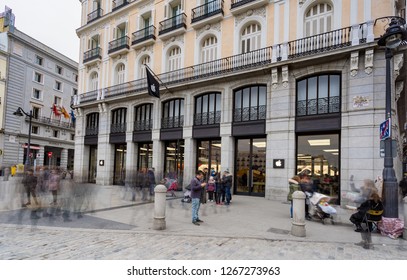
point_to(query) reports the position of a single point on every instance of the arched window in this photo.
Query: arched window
(143, 117)
(173, 113)
(120, 73)
(145, 60)
(174, 59)
(118, 123)
(250, 103)
(318, 19)
(93, 82)
(318, 95)
(251, 38)
(207, 109)
(209, 49)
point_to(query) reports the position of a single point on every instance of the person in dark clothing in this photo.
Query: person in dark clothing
(374, 203)
(197, 185)
(403, 186)
(227, 184)
(30, 184)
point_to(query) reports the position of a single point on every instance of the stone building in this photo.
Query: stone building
(265, 88)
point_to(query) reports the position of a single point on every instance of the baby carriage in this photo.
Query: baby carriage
(319, 207)
(187, 197)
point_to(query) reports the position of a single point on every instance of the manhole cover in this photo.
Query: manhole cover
(278, 231)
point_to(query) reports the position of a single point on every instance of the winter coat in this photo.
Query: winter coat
(293, 186)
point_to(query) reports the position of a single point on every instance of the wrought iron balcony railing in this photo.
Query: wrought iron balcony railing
(207, 10)
(308, 46)
(207, 118)
(118, 127)
(92, 54)
(143, 35)
(326, 105)
(172, 122)
(117, 4)
(249, 113)
(52, 122)
(168, 25)
(95, 15)
(237, 3)
(118, 44)
(91, 131)
(143, 125)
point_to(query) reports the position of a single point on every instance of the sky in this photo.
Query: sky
(52, 22)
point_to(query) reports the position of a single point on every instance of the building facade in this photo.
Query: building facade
(41, 82)
(265, 88)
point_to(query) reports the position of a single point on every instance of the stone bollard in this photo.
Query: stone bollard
(405, 218)
(160, 202)
(298, 223)
(6, 174)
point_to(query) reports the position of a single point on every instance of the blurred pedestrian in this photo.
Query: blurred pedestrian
(227, 184)
(293, 185)
(197, 185)
(210, 188)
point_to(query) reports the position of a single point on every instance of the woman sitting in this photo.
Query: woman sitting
(373, 208)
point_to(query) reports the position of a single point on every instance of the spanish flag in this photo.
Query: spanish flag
(64, 112)
(55, 110)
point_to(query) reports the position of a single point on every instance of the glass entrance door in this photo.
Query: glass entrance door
(120, 164)
(93, 153)
(250, 166)
(174, 161)
(208, 157)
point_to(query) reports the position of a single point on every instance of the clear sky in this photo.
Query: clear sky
(52, 22)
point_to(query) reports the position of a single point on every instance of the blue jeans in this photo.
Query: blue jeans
(228, 194)
(196, 203)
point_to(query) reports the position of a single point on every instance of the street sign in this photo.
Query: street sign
(49, 154)
(385, 129)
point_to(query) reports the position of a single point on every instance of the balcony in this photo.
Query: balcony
(117, 4)
(143, 37)
(241, 6)
(119, 46)
(52, 122)
(92, 56)
(172, 122)
(208, 13)
(95, 15)
(246, 114)
(118, 128)
(143, 125)
(173, 26)
(207, 118)
(92, 131)
(243, 63)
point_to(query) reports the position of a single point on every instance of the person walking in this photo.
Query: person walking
(151, 182)
(294, 185)
(196, 189)
(210, 188)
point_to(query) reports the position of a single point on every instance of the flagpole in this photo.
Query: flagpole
(151, 71)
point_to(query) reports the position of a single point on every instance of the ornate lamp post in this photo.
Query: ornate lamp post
(20, 112)
(393, 37)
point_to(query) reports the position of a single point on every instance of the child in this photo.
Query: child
(210, 188)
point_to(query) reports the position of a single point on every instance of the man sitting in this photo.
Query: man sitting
(372, 208)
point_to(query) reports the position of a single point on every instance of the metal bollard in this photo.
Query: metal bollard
(160, 201)
(405, 218)
(298, 222)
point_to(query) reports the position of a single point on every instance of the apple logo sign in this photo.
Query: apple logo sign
(278, 163)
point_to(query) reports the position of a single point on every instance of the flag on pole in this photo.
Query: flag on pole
(73, 118)
(55, 110)
(153, 85)
(64, 112)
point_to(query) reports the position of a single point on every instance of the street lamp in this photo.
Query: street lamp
(20, 112)
(393, 37)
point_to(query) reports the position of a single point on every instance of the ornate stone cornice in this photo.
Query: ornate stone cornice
(258, 12)
(148, 49)
(179, 39)
(216, 27)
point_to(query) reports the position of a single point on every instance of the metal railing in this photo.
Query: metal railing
(207, 118)
(178, 21)
(317, 44)
(207, 10)
(118, 127)
(118, 44)
(172, 122)
(318, 106)
(143, 125)
(143, 35)
(92, 54)
(53, 122)
(238, 3)
(91, 131)
(95, 15)
(253, 113)
(117, 4)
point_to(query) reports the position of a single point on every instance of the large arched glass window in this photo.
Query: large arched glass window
(143, 117)
(207, 109)
(318, 19)
(93, 82)
(173, 113)
(174, 59)
(118, 123)
(209, 49)
(120, 74)
(92, 124)
(318, 95)
(251, 38)
(250, 103)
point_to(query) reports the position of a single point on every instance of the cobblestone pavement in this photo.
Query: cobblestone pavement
(45, 243)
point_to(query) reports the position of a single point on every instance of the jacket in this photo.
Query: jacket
(293, 186)
(196, 188)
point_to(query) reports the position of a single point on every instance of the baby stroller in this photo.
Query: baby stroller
(319, 207)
